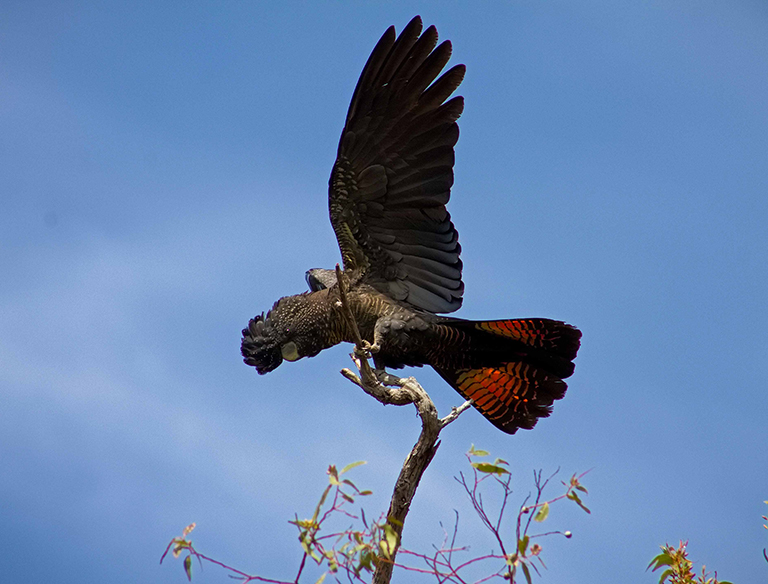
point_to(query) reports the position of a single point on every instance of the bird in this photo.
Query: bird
(388, 191)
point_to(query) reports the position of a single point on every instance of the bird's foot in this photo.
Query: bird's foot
(368, 350)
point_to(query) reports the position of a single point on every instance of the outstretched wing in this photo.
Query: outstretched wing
(393, 174)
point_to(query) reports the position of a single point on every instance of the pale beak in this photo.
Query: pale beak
(290, 352)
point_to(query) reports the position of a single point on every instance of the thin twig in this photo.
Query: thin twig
(245, 577)
(455, 413)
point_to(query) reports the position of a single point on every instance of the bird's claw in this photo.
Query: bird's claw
(368, 350)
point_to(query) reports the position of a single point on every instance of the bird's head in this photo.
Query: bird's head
(291, 330)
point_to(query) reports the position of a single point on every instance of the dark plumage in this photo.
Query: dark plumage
(387, 195)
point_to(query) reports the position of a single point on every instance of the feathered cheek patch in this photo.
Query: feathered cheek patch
(290, 352)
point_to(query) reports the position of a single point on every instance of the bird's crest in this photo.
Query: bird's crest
(260, 347)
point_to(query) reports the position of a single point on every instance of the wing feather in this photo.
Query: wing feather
(394, 172)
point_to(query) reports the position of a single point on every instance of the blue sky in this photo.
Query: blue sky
(163, 173)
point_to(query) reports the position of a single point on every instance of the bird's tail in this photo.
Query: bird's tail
(512, 370)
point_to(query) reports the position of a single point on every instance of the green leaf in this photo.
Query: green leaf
(575, 498)
(384, 548)
(321, 578)
(391, 536)
(351, 465)
(522, 544)
(188, 567)
(364, 493)
(473, 452)
(351, 484)
(347, 498)
(306, 544)
(333, 475)
(666, 575)
(366, 561)
(663, 559)
(180, 546)
(321, 503)
(526, 571)
(542, 513)
(489, 468)
(389, 541)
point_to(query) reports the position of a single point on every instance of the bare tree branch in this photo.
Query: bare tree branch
(389, 389)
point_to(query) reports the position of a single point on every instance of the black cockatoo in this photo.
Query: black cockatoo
(387, 195)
